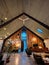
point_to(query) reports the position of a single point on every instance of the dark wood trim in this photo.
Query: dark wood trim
(44, 25)
(3, 45)
(13, 33)
(17, 31)
(11, 20)
(34, 33)
(27, 29)
(9, 37)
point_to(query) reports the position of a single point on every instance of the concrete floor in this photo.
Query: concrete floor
(21, 59)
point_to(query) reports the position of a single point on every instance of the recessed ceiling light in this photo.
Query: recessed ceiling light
(4, 28)
(5, 36)
(8, 33)
(5, 18)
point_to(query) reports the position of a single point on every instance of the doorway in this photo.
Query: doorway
(24, 39)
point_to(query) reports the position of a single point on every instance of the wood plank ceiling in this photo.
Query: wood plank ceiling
(39, 9)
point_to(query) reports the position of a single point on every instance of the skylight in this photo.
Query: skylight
(39, 30)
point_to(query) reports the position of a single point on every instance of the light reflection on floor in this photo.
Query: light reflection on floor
(20, 59)
(17, 59)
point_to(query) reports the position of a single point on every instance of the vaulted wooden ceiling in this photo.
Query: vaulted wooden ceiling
(39, 9)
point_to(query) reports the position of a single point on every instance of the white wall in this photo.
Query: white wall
(46, 41)
(1, 42)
